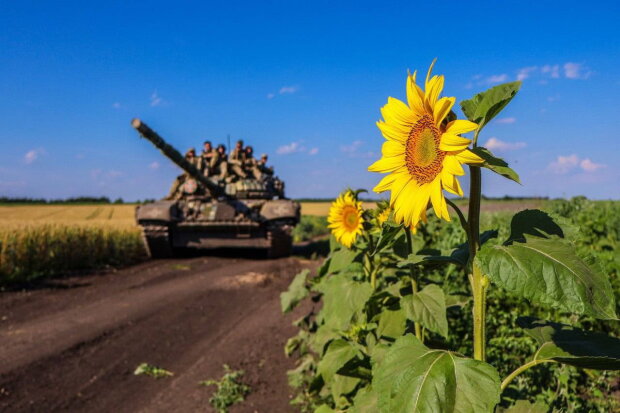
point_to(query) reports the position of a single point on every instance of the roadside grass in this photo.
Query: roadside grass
(152, 371)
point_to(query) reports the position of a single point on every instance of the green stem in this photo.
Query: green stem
(462, 219)
(479, 282)
(520, 370)
(414, 284)
(373, 279)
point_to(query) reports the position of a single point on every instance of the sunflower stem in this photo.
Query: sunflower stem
(521, 369)
(479, 282)
(414, 284)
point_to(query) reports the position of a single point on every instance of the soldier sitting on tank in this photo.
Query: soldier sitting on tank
(176, 191)
(265, 170)
(209, 158)
(236, 160)
(220, 164)
(250, 164)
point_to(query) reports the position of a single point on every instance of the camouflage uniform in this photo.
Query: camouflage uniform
(176, 190)
(209, 159)
(236, 160)
(262, 166)
(220, 165)
(250, 164)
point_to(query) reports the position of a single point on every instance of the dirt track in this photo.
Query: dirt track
(73, 346)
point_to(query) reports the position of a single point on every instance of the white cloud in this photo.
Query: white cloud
(551, 70)
(288, 90)
(117, 105)
(497, 78)
(524, 73)
(506, 120)
(576, 71)
(352, 148)
(564, 164)
(156, 100)
(589, 166)
(32, 155)
(154, 165)
(498, 145)
(292, 147)
(271, 95)
(313, 151)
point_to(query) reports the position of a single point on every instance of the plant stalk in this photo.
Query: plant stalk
(478, 280)
(414, 285)
(521, 369)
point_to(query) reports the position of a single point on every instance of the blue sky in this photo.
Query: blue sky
(302, 81)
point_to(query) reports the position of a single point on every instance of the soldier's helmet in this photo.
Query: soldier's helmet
(222, 147)
(190, 152)
(249, 149)
(264, 156)
(207, 142)
(240, 142)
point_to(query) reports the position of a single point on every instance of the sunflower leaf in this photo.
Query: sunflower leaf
(549, 272)
(413, 378)
(573, 346)
(495, 164)
(428, 307)
(483, 107)
(296, 292)
(342, 298)
(339, 352)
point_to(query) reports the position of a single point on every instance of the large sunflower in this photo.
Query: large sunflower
(423, 151)
(345, 219)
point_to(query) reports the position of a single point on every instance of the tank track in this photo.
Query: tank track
(157, 241)
(281, 241)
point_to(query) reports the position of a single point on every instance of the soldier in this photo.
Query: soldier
(236, 160)
(262, 166)
(209, 158)
(250, 164)
(220, 165)
(176, 190)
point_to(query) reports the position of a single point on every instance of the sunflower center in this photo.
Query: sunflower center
(423, 157)
(350, 218)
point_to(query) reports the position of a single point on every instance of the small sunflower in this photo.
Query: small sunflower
(383, 216)
(423, 151)
(345, 219)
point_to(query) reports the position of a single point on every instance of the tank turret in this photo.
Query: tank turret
(171, 153)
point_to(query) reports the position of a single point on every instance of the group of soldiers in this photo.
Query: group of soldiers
(214, 163)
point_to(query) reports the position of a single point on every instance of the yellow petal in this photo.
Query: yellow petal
(391, 148)
(442, 108)
(433, 91)
(458, 126)
(438, 200)
(398, 112)
(387, 164)
(428, 74)
(468, 156)
(450, 183)
(451, 143)
(415, 96)
(385, 183)
(453, 166)
(390, 132)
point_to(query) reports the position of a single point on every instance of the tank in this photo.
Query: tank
(248, 213)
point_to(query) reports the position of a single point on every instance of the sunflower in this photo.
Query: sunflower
(345, 218)
(423, 151)
(383, 216)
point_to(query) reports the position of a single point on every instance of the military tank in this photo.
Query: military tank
(248, 213)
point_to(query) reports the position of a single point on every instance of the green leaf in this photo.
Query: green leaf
(415, 379)
(341, 386)
(392, 323)
(457, 300)
(495, 164)
(571, 345)
(341, 259)
(428, 307)
(548, 271)
(532, 222)
(486, 105)
(342, 298)
(524, 406)
(388, 233)
(324, 409)
(296, 292)
(365, 401)
(338, 353)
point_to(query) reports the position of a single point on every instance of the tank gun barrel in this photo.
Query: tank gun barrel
(171, 153)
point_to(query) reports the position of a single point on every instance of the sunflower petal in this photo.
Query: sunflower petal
(387, 164)
(452, 165)
(391, 148)
(450, 183)
(468, 156)
(433, 91)
(458, 126)
(415, 96)
(451, 143)
(390, 132)
(442, 108)
(398, 112)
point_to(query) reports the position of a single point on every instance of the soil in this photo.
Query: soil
(73, 345)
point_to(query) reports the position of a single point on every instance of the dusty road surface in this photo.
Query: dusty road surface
(73, 345)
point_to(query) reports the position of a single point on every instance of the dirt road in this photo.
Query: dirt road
(73, 345)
